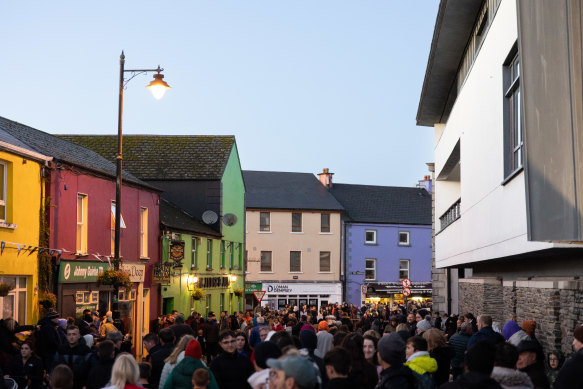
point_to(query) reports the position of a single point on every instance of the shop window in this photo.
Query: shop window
(325, 261)
(325, 222)
(404, 238)
(404, 269)
(266, 263)
(370, 271)
(143, 232)
(264, 222)
(370, 236)
(14, 304)
(296, 222)
(295, 261)
(81, 223)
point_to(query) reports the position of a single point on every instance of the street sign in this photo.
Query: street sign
(406, 292)
(363, 289)
(406, 283)
(259, 295)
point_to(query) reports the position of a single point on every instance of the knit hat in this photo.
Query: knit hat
(510, 328)
(578, 334)
(323, 326)
(528, 326)
(193, 349)
(308, 339)
(391, 349)
(264, 351)
(423, 325)
(307, 327)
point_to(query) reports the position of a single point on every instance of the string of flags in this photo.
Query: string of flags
(23, 248)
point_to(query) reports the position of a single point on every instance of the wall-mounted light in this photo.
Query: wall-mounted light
(191, 281)
(232, 278)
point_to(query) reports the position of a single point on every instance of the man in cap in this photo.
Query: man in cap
(528, 362)
(391, 355)
(293, 372)
(570, 374)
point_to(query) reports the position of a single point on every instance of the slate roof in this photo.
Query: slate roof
(62, 150)
(165, 157)
(384, 204)
(173, 217)
(284, 190)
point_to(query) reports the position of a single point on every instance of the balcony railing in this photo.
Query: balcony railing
(451, 215)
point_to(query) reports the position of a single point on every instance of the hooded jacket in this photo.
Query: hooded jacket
(324, 343)
(181, 375)
(511, 378)
(421, 363)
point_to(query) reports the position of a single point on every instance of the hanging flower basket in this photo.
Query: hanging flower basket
(47, 300)
(5, 288)
(238, 292)
(197, 293)
(117, 278)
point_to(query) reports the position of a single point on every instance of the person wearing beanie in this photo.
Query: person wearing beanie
(525, 332)
(423, 325)
(181, 375)
(570, 374)
(391, 355)
(261, 354)
(510, 328)
(324, 339)
(485, 332)
(479, 363)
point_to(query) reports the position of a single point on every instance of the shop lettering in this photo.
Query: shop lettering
(215, 282)
(278, 289)
(86, 272)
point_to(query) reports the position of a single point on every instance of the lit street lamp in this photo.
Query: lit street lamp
(158, 87)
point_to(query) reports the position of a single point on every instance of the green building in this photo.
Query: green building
(202, 214)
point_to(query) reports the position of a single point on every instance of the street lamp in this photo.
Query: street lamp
(158, 87)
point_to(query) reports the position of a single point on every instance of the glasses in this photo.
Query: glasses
(553, 359)
(228, 341)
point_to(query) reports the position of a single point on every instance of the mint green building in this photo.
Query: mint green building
(202, 215)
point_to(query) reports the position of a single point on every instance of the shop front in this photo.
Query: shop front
(312, 294)
(389, 293)
(250, 300)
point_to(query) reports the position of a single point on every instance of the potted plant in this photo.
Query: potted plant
(47, 300)
(116, 278)
(197, 293)
(5, 288)
(238, 292)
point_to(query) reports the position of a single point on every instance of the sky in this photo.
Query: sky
(303, 85)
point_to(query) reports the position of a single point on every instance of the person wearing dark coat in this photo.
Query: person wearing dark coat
(26, 368)
(74, 354)
(528, 363)
(570, 374)
(337, 362)
(211, 336)
(363, 374)
(309, 342)
(48, 339)
(230, 368)
(157, 358)
(479, 363)
(391, 355)
(181, 375)
(180, 328)
(485, 332)
(459, 343)
(100, 371)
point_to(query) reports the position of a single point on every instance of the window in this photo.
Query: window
(240, 264)
(143, 232)
(403, 268)
(222, 254)
(370, 270)
(370, 236)
(193, 258)
(82, 223)
(264, 222)
(231, 255)
(513, 121)
(296, 222)
(3, 184)
(325, 261)
(122, 224)
(209, 254)
(266, 261)
(295, 261)
(325, 222)
(246, 262)
(14, 304)
(404, 238)
(222, 302)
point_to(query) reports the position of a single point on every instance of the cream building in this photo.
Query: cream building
(293, 239)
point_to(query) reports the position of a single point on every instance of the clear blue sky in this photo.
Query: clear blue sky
(302, 85)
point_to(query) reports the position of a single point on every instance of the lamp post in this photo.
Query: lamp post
(158, 87)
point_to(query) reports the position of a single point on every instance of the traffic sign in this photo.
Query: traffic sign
(406, 292)
(406, 283)
(363, 289)
(259, 295)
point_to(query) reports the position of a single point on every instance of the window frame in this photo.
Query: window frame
(81, 229)
(373, 269)
(408, 242)
(513, 116)
(222, 265)
(122, 224)
(4, 192)
(370, 242)
(329, 262)
(265, 227)
(270, 262)
(295, 227)
(143, 232)
(323, 226)
(209, 254)
(299, 253)
(193, 252)
(407, 269)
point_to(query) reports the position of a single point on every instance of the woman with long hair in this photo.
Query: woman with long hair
(441, 352)
(125, 373)
(174, 358)
(369, 347)
(243, 347)
(26, 368)
(362, 373)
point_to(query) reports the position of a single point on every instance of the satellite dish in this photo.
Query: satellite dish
(229, 219)
(210, 217)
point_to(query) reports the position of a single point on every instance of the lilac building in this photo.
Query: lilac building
(386, 237)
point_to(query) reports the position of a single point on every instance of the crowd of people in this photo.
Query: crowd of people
(335, 347)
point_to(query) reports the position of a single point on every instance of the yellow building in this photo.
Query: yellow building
(21, 199)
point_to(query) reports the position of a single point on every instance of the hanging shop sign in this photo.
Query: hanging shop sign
(80, 271)
(161, 273)
(253, 287)
(136, 270)
(177, 250)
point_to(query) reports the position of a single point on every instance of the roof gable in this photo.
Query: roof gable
(164, 157)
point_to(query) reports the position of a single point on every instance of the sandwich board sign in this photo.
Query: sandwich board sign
(259, 295)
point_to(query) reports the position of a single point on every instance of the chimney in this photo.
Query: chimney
(426, 183)
(326, 178)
